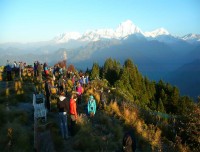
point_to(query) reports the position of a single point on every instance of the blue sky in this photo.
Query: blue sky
(42, 20)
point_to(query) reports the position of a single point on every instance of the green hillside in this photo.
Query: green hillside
(160, 118)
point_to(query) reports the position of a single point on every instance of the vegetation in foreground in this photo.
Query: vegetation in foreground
(161, 119)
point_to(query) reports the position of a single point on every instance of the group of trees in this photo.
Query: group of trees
(153, 96)
(158, 96)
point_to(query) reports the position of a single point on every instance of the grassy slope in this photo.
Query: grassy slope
(104, 133)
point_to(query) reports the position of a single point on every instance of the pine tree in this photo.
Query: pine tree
(95, 71)
(161, 107)
(132, 81)
(111, 70)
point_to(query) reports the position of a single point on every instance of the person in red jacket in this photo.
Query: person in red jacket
(73, 113)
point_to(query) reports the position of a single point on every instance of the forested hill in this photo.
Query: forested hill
(153, 99)
(159, 96)
(160, 118)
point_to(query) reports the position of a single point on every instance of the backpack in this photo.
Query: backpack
(128, 144)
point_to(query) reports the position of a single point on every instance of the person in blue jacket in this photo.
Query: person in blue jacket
(91, 106)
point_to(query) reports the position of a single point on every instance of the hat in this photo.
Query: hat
(91, 97)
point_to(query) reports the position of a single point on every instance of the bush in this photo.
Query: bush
(2, 115)
(20, 137)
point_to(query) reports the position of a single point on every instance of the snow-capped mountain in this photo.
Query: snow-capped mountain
(65, 37)
(126, 28)
(157, 32)
(191, 37)
(123, 30)
(96, 35)
(156, 53)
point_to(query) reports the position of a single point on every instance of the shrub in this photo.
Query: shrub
(20, 137)
(2, 115)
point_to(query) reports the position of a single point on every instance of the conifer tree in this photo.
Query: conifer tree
(160, 106)
(111, 70)
(175, 96)
(95, 71)
(132, 81)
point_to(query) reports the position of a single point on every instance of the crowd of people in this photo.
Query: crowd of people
(55, 78)
(16, 68)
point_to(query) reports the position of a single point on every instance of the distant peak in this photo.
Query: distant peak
(191, 36)
(123, 30)
(157, 32)
(126, 28)
(127, 22)
(163, 31)
(62, 38)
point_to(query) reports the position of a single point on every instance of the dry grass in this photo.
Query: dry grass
(115, 108)
(149, 134)
(18, 87)
(82, 120)
(101, 134)
(130, 116)
(157, 138)
(97, 97)
(21, 135)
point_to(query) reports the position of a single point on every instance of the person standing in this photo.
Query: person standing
(73, 113)
(87, 80)
(20, 69)
(61, 83)
(79, 92)
(47, 90)
(129, 142)
(39, 71)
(8, 71)
(45, 68)
(84, 81)
(35, 69)
(91, 106)
(102, 99)
(63, 109)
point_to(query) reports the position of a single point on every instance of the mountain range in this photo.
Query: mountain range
(158, 54)
(124, 30)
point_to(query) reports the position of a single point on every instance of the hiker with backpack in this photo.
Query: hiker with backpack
(63, 109)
